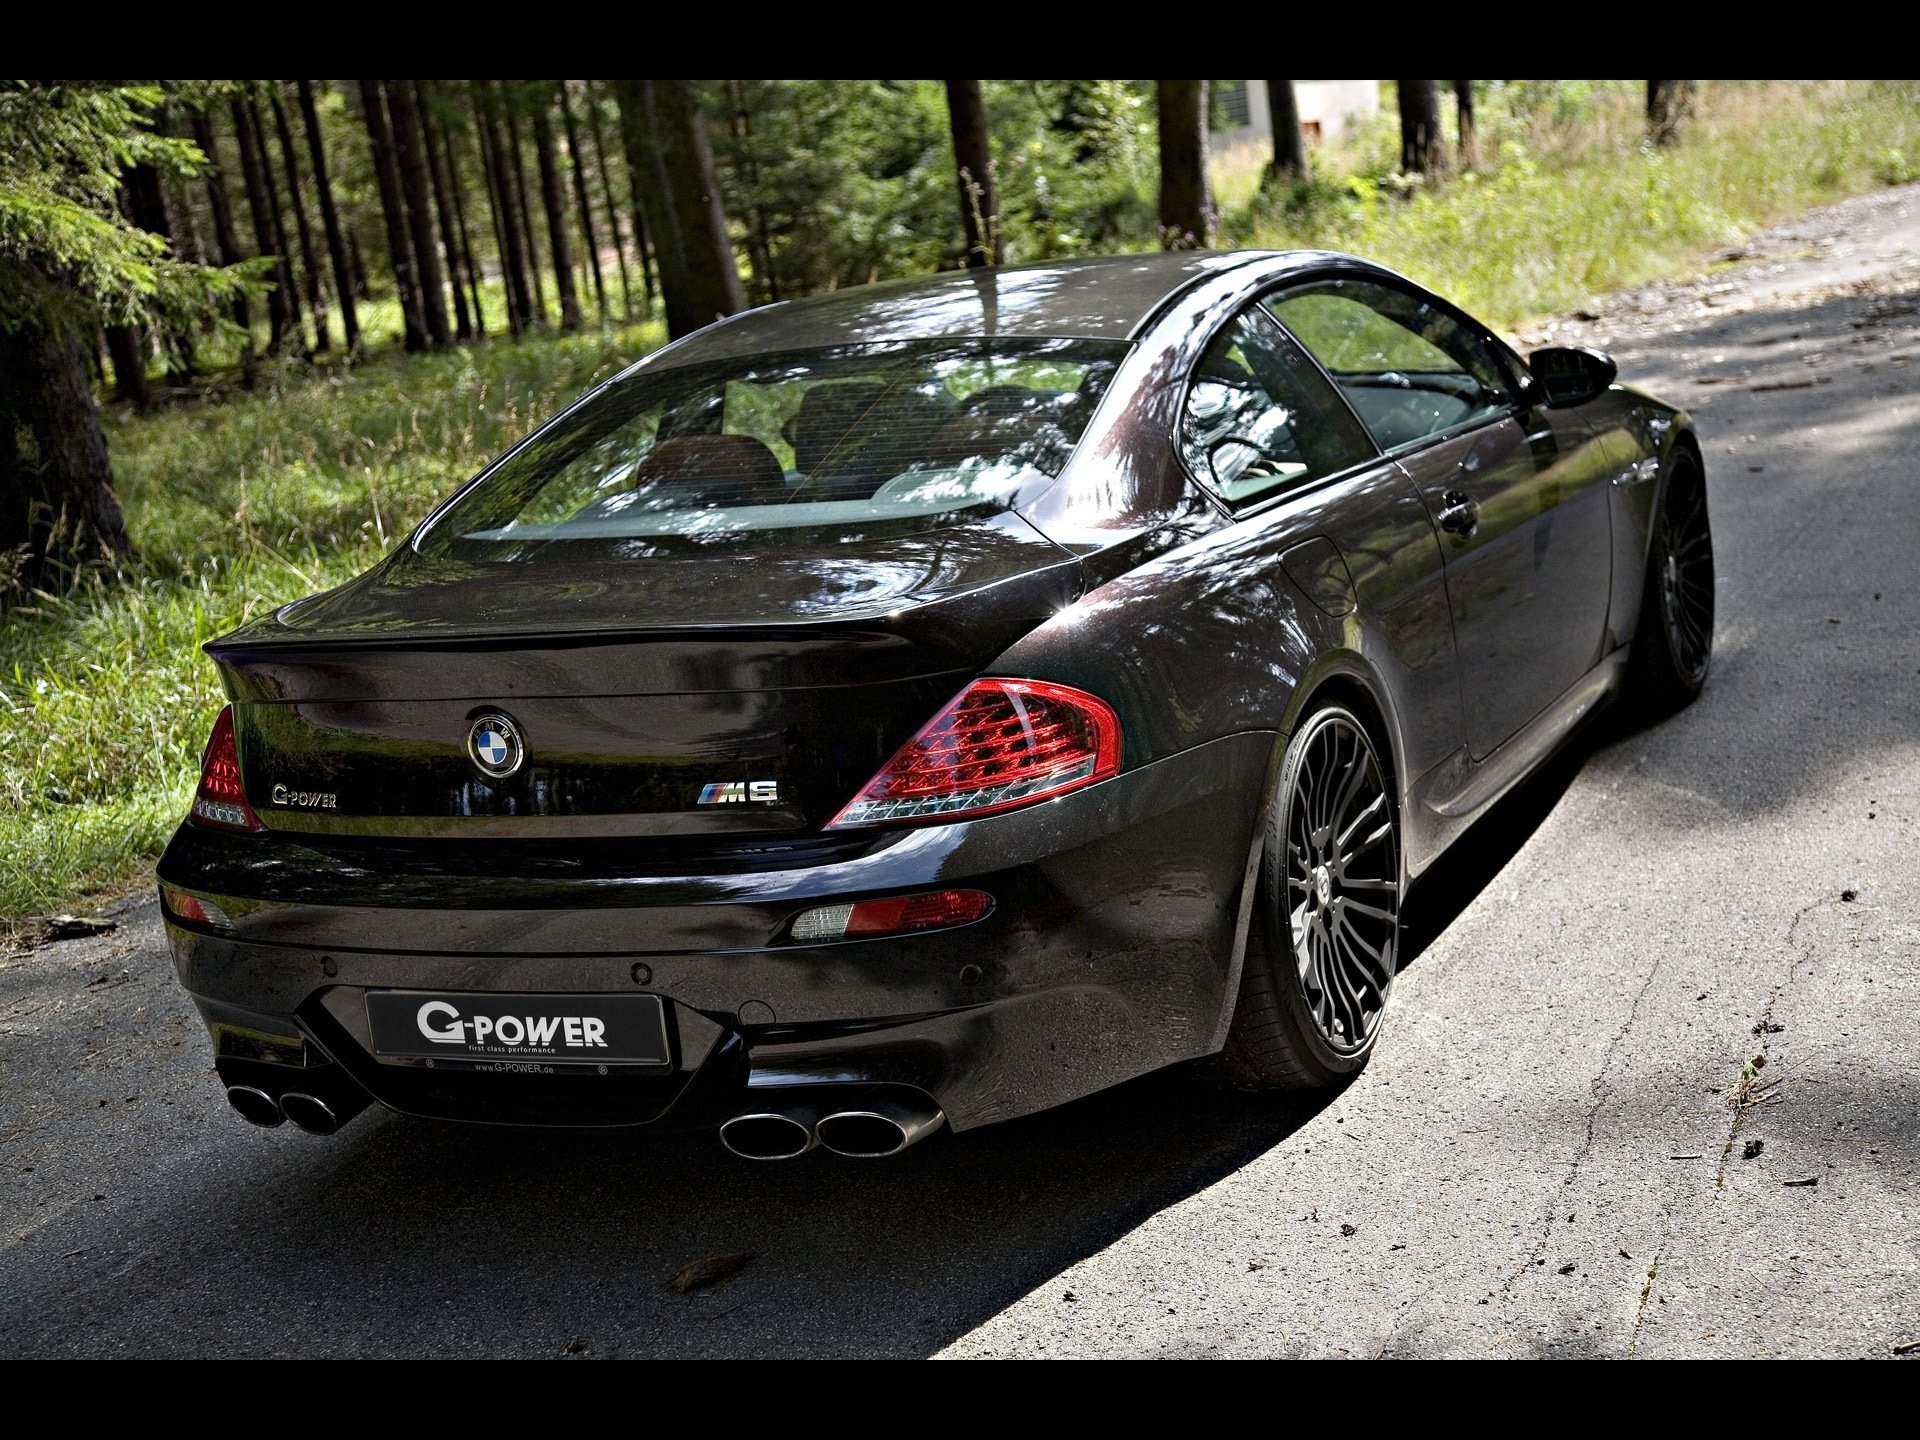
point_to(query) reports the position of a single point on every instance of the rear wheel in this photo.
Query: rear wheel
(1674, 644)
(1322, 952)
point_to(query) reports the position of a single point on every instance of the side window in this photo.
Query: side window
(1409, 368)
(1259, 415)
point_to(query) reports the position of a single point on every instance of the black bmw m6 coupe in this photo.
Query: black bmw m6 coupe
(920, 705)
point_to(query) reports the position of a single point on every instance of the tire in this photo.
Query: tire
(1325, 938)
(1673, 644)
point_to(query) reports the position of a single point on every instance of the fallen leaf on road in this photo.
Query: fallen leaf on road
(706, 1273)
(1348, 1230)
(576, 1346)
(1810, 1181)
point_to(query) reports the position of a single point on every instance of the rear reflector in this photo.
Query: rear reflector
(221, 801)
(892, 917)
(997, 744)
(193, 909)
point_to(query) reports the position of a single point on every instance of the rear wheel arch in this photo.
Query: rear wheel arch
(1341, 680)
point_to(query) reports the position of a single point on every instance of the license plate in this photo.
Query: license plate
(550, 1029)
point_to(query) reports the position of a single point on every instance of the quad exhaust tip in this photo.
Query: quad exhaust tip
(310, 1113)
(768, 1135)
(876, 1133)
(255, 1105)
(788, 1129)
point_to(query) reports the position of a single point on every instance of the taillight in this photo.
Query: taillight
(998, 744)
(933, 910)
(221, 801)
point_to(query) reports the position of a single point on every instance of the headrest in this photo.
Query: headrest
(727, 469)
(827, 412)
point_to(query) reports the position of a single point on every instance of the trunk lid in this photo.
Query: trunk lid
(727, 696)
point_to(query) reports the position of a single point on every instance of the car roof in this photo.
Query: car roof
(1110, 298)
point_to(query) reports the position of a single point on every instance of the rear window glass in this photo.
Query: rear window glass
(779, 449)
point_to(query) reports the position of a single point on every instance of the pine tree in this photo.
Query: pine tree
(329, 217)
(553, 197)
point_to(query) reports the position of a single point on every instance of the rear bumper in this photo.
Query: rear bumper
(1112, 950)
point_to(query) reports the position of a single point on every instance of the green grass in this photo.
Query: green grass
(235, 505)
(241, 503)
(1568, 202)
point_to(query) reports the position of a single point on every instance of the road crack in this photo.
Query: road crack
(1640, 1314)
(1599, 1090)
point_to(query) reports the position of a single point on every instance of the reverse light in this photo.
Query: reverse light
(997, 744)
(867, 918)
(221, 801)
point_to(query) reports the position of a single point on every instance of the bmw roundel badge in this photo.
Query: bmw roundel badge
(494, 745)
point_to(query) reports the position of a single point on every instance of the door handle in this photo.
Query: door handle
(1459, 515)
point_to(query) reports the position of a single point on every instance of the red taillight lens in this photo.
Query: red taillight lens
(998, 744)
(221, 801)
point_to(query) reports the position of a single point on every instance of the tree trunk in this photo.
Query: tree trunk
(146, 203)
(283, 244)
(266, 225)
(453, 215)
(127, 348)
(651, 198)
(1289, 143)
(303, 232)
(606, 190)
(1186, 218)
(418, 189)
(584, 200)
(516, 175)
(710, 274)
(393, 209)
(759, 252)
(329, 217)
(1668, 103)
(973, 168)
(506, 230)
(227, 244)
(443, 207)
(1420, 152)
(147, 206)
(1469, 143)
(357, 263)
(554, 198)
(57, 507)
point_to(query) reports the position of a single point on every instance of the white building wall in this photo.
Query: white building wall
(1329, 105)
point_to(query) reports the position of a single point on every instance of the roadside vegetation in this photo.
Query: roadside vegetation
(239, 500)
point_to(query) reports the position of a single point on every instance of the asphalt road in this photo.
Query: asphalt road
(1541, 1160)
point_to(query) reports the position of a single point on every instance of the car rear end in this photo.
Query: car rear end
(700, 766)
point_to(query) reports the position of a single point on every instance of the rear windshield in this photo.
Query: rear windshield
(785, 450)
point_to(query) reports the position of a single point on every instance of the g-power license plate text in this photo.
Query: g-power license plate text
(550, 1029)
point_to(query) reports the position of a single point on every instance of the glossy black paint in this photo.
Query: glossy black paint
(1122, 909)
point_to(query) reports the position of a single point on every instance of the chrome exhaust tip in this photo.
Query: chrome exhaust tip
(310, 1113)
(884, 1128)
(768, 1135)
(255, 1105)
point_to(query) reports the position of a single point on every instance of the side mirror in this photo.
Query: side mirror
(1566, 375)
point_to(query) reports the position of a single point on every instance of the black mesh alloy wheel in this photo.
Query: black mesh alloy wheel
(1674, 643)
(1321, 959)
